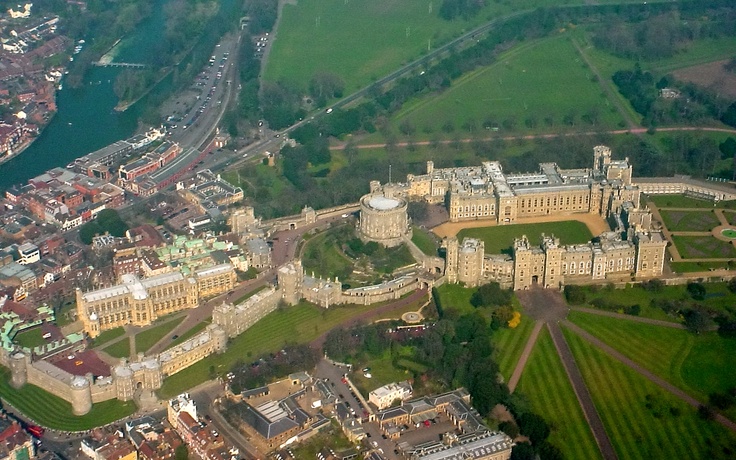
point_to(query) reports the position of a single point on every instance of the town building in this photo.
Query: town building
(15, 443)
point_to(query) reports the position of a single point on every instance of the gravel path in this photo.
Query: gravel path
(582, 393)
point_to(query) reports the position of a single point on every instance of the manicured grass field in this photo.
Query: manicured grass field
(119, 349)
(682, 201)
(545, 383)
(53, 412)
(108, 335)
(521, 86)
(688, 267)
(299, 324)
(643, 421)
(703, 247)
(148, 338)
(500, 238)
(689, 221)
(455, 297)
(424, 241)
(30, 338)
(509, 343)
(698, 364)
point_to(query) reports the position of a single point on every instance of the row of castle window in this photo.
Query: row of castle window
(552, 201)
(112, 319)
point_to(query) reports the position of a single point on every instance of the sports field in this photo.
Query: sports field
(642, 420)
(521, 91)
(545, 383)
(500, 238)
(53, 412)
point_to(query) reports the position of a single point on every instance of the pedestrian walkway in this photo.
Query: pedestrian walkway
(516, 375)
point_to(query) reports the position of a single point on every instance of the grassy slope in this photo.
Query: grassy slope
(501, 238)
(550, 393)
(637, 431)
(424, 241)
(148, 338)
(53, 412)
(119, 349)
(299, 324)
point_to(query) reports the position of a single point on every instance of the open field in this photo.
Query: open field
(53, 412)
(149, 337)
(424, 241)
(298, 324)
(711, 75)
(703, 247)
(500, 239)
(339, 36)
(545, 383)
(642, 420)
(689, 221)
(681, 201)
(516, 93)
(698, 364)
(30, 338)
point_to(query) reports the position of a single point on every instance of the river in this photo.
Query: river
(86, 119)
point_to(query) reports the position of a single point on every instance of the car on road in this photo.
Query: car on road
(329, 110)
(174, 337)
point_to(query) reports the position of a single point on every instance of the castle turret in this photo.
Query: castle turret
(219, 336)
(18, 369)
(290, 278)
(81, 395)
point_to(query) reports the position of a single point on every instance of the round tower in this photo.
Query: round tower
(81, 395)
(18, 369)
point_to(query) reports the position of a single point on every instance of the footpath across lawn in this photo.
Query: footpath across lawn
(642, 420)
(545, 383)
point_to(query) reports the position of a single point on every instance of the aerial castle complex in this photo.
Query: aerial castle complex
(632, 249)
(485, 192)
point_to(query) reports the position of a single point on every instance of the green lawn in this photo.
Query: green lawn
(426, 242)
(53, 412)
(521, 87)
(30, 338)
(339, 36)
(299, 324)
(455, 297)
(682, 201)
(689, 221)
(383, 372)
(687, 267)
(703, 247)
(500, 238)
(119, 349)
(108, 335)
(635, 295)
(643, 421)
(698, 364)
(145, 339)
(545, 383)
(509, 343)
